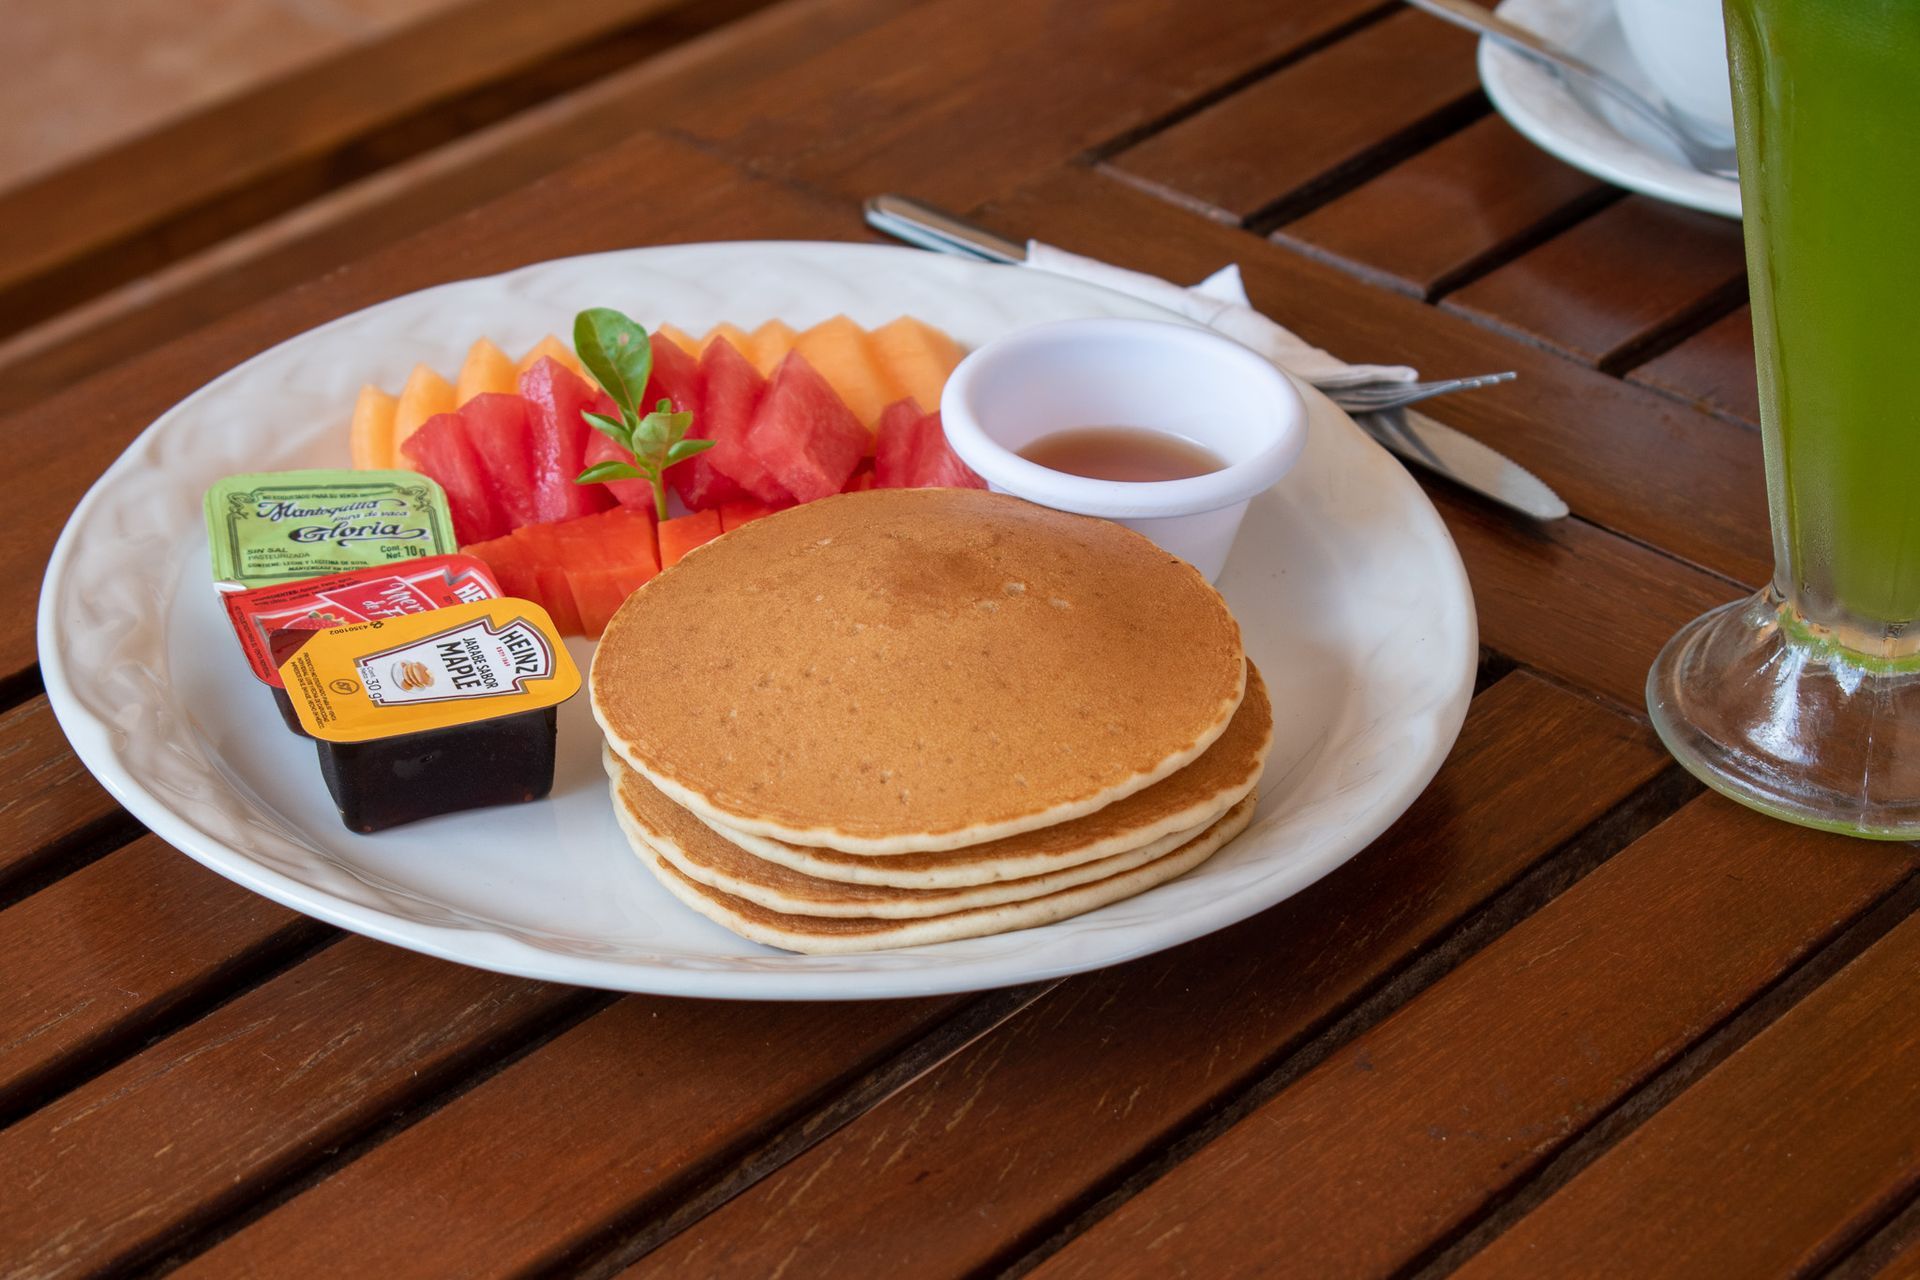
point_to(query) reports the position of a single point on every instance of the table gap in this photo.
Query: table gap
(1841, 946)
(1557, 871)
(70, 853)
(1705, 311)
(191, 1237)
(22, 686)
(293, 945)
(293, 184)
(1386, 153)
(1896, 1239)
(1490, 669)
(1133, 137)
(1535, 236)
(752, 1157)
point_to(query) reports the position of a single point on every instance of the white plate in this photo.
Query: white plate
(1582, 127)
(1351, 594)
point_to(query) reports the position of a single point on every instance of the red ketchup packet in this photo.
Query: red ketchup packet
(274, 622)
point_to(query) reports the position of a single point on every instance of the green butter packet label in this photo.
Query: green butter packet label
(283, 525)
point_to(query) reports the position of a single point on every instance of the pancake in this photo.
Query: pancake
(826, 935)
(1187, 800)
(915, 670)
(695, 850)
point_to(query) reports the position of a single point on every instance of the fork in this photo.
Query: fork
(1377, 397)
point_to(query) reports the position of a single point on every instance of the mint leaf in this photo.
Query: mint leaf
(617, 431)
(617, 353)
(681, 450)
(600, 471)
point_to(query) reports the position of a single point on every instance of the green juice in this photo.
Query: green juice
(1827, 96)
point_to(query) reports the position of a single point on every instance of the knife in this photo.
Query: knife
(1406, 433)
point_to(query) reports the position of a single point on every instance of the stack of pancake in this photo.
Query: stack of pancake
(908, 716)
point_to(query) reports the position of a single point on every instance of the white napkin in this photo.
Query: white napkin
(1220, 303)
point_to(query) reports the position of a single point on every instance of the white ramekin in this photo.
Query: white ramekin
(1132, 373)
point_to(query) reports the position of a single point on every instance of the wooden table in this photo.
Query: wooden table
(1569, 1016)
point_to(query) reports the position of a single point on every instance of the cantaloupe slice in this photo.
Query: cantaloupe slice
(371, 435)
(551, 346)
(426, 394)
(679, 338)
(487, 369)
(917, 358)
(768, 345)
(733, 333)
(838, 351)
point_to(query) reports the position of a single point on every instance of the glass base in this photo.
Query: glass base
(1759, 708)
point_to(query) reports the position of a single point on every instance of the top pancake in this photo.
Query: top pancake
(912, 670)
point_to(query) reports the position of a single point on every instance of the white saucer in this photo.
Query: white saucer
(1581, 126)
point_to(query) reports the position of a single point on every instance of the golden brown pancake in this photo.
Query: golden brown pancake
(913, 670)
(829, 935)
(1185, 800)
(694, 849)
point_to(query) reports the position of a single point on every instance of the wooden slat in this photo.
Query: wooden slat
(1405, 1132)
(193, 1126)
(1573, 600)
(961, 99)
(1713, 368)
(1768, 1165)
(1467, 202)
(606, 1121)
(690, 69)
(47, 797)
(982, 1153)
(1609, 285)
(136, 206)
(583, 209)
(1626, 459)
(1303, 127)
(94, 959)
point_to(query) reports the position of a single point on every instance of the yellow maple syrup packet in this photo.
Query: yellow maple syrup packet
(453, 666)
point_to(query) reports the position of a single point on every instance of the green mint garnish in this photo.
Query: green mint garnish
(618, 353)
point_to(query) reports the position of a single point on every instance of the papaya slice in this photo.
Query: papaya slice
(551, 348)
(839, 352)
(486, 369)
(768, 345)
(916, 358)
(370, 436)
(426, 395)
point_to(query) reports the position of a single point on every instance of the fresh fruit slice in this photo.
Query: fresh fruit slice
(631, 493)
(917, 359)
(679, 338)
(682, 534)
(512, 565)
(913, 453)
(550, 575)
(440, 449)
(862, 478)
(499, 428)
(551, 348)
(735, 514)
(556, 398)
(487, 370)
(804, 434)
(768, 345)
(632, 542)
(426, 394)
(730, 394)
(597, 595)
(371, 435)
(839, 352)
(731, 333)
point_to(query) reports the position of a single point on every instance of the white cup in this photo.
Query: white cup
(1187, 382)
(1681, 46)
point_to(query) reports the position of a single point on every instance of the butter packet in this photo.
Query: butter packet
(455, 666)
(282, 526)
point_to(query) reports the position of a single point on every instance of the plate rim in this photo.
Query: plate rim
(92, 741)
(1513, 85)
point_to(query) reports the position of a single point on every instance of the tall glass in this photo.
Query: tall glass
(1804, 700)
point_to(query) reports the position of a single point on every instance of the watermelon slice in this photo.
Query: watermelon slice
(912, 453)
(440, 449)
(550, 575)
(735, 514)
(556, 396)
(628, 493)
(803, 432)
(597, 594)
(499, 428)
(731, 391)
(681, 535)
(630, 532)
(512, 567)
